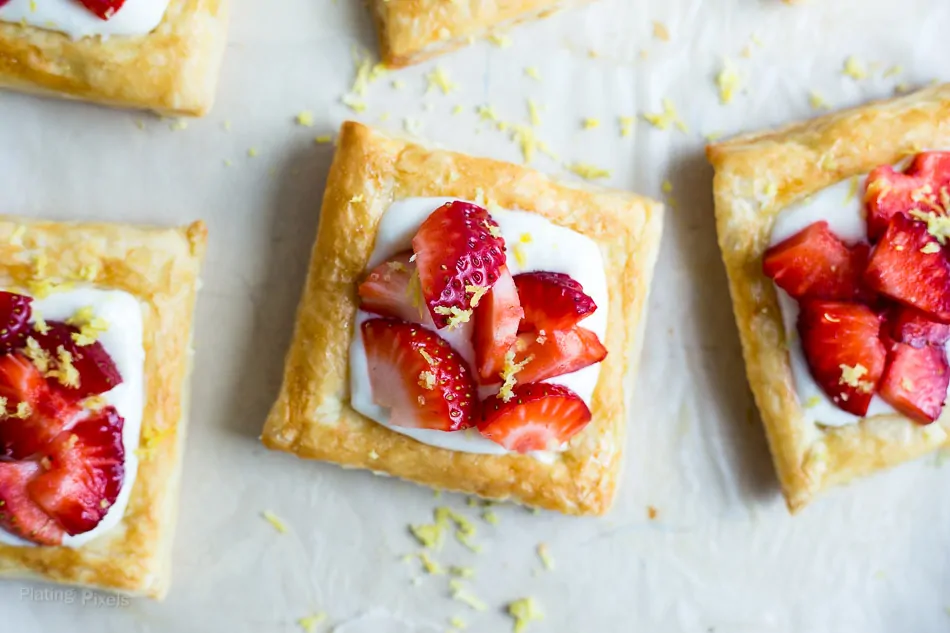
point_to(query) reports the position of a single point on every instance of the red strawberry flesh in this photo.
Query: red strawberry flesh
(914, 328)
(386, 291)
(19, 514)
(15, 315)
(843, 349)
(890, 192)
(457, 248)
(418, 377)
(97, 372)
(537, 417)
(497, 317)
(557, 353)
(105, 9)
(552, 301)
(915, 381)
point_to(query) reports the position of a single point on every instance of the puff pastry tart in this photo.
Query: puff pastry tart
(161, 55)
(411, 31)
(94, 358)
(834, 235)
(467, 325)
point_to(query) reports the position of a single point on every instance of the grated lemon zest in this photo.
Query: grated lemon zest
(854, 68)
(545, 555)
(817, 102)
(893, 71)
(851, 376)
(626, 125)
(534, 113)
(591, 123)
(477, 293)
(427, 380)
(65, 372)
(660, 31)
(667, 186)
(499, 40)
(429, 535)
(520, 256)
(486, 113)
(23, 410)
(458, 623)
(937, 225)
(462, 572)
(524, 611)
(527, 141)
(305, 118)
(508, 373)
(728, 81)
(526, 238)
(490, 517)
(669, 116)
(90, 326)
(461, 593)
(814, 401)
(309, 624)
(930, 248)
(456, 315)
(533, 72)
(438, 78)
(589, 172)
(275, 521)
(322, 139)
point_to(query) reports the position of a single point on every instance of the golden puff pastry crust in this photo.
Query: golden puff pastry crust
(312, 416)
(412, 31)
(173, 70)
(757, 176)
(160, 268)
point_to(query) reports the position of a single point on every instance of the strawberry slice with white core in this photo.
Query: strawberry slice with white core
(915, 381)
(919, 188)
(815, 263)
(15, 315)
(19, 514)
(32, 414)
(83, 473)
(414, 373)
(459, 251)
(914, 328)
(538, 417)
(910, 266)
(842, 346)
(552, 301)
(497, 317)
(96, 372)
(557, 353)
(388, 291)
(105, 9)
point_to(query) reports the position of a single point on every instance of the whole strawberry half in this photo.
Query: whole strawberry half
(815, 263)
(105, 9)
(497, 317)
(538, 417)
(97, 372)
(15, 315)
(915, 381)
(891, 192)
(557, 353)
(34, 414)
(915, 328)
(86, 466)
(19, 514)
(457, 248)
(418, 376)
(552, 301)
(842, 346)
(909, 266)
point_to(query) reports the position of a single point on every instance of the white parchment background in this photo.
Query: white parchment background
(722, 556)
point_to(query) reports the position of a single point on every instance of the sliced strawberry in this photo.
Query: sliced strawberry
(418, 376)
(457, 248)
(33, 414)
(915, 381)
(891, 192)
(552, 301)
(497, 317)
(19, 514)
(557, 353)
(105, 9)
(909, 266)
(387, 291)
(844, 351)
(15, 315)
(86, 466)
(815, 263)
(537, 417)
(97, 372)
(914, 328)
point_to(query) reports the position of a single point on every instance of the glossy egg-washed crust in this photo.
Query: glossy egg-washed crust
(313, 417)
(173, 70)
(412, 31)
(757, 176)
(160, 268)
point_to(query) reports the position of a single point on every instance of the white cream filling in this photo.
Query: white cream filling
(550, 248)
(123, 340)
(136, 17)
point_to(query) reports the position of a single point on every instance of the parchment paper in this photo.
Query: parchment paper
(722, 553)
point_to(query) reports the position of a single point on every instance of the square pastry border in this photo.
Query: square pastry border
(757, 176)
(412, 32)
(173, 70)
(160, 268)
(312, 416)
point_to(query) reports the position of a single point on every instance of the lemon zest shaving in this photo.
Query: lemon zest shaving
(275, 521)
(669, 116)
(626, 125)
(477, 293)
(456, 315)
(508, 373)
(544, 553)
(309, 623)
(591, 123)
(305, 118)
(533, 72)
(854, 68)
(851, 376)
(461, 593)
(589, 172)
(728, 81)
(439, 79)
(524, 611)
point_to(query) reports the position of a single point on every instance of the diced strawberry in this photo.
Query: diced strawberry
(557, 353)
(86, 466)
(914, 328)
(15, 315)
(97, 372)
(891, 192)
(105, 9)
(457, 248)
(815, 263)
(19, 515)
(387, 291)
(497, 317)
(32, 414)
(915, 381)
(844, 351)
(552, 301)
(538, 417)
(418, 376)
(909, 266)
